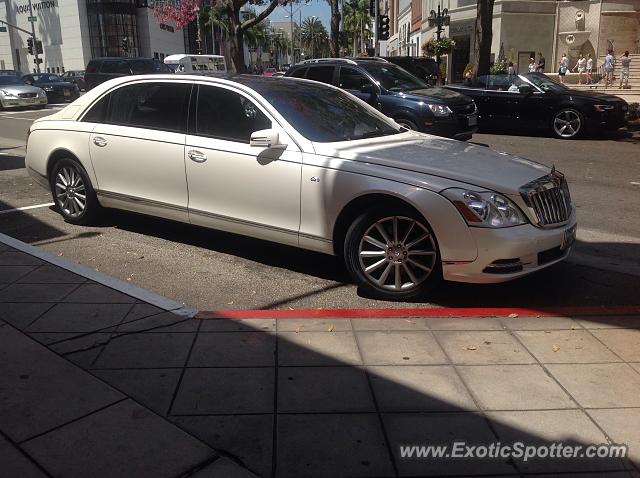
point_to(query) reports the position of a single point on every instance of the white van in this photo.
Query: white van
(196, 63)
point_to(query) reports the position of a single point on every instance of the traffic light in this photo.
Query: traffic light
(30, 45)
(383, 27)
(39, 47)
(125, 44)
(372, 7)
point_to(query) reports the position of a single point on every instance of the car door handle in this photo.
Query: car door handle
(100, 141)
(196, 156)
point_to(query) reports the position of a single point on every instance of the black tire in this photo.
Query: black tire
(68, 192)
(573, 122)
(406, 123)
(398, 257)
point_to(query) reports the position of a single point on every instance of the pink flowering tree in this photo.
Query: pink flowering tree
(183, 12)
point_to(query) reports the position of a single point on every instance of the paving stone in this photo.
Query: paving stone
(624, 342)
(82, 350)
(622, 425)
(317, 348)
(541, 323)
(52, 275)
(490, 347)
(442, 429)
(35, 292)
(4, 247)
(514, 387)
(331, 445)
(122, 440)
(610, 322)
(406, 323)
(223, 468)
(233, 349)
(48, 338)
(314, 325)
(323, 389)
(98, 294)
(566, 346)
(599, 385)
(9, 274)
(400, 348)
(146, 350)
(39, 390)
(225, 390)
(164, 322)
(80, 317)
(464, 323)
(153, 388)
(139, 311)
(13, 463)
(20, 315)
(247, 437)
(237, 325)
(636, 366)
(419, 388)
(17, 258)
(545, 427)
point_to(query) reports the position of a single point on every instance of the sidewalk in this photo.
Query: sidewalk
(100, 378)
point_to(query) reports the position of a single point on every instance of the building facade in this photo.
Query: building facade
(74, 31)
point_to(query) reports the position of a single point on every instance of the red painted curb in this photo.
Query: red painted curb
(421, 312)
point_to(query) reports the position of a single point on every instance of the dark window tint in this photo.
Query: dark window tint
(98, 112)
(159, 106)
(227, 115)
(146, 67)
(92, 67)
(351, 79)
(321, 73)
(299, 73)
(116, 66)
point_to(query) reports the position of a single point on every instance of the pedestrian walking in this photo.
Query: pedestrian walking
(511, 70)
(581, 66)
(564, 66)
(589, 68)
(625, 62)
(609, 62)
(541, 63)
(532, 65)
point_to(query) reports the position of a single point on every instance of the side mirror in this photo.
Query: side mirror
(266, 138)
(526, 89)
(367, 89)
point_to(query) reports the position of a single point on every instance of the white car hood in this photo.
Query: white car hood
(445, 158)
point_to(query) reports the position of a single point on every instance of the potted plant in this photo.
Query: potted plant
(435, 47)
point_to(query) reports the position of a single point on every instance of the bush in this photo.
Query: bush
(634, 112)
(499, 67)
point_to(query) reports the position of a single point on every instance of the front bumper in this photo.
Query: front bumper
(498, 249)
(59, 96)
(22, 102)
(459, 127)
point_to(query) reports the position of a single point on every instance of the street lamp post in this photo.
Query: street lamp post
(440, 20)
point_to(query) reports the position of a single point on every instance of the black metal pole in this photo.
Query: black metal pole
(438, 31)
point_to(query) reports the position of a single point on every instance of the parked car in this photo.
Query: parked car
(533, 101)
(182, 63)
(10, 73)
(100, 70)
(76, 77)
(397, 93)
(56, 88)
(14, 93)
(308, 165)
(424, 68)
(270, 71)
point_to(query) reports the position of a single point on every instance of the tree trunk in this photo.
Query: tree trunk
(334, 39)
(484, 34)
(235, 39)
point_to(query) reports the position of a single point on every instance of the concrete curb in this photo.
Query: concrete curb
(101, 278)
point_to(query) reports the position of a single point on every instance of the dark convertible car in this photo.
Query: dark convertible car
(534, 101)
(56, 88)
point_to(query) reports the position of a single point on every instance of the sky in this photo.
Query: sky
(318, 8)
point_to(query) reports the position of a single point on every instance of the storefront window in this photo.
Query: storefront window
(109, 23)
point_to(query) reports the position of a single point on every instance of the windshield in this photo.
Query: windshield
(10, 80)
(45, 78)
(394, 78)
(320, 113)
(544, 82)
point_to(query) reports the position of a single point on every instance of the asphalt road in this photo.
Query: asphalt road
(212, 270)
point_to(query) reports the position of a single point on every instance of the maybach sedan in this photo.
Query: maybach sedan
(307, 165)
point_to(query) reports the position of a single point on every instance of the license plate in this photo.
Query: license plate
(67, 93)
(31, 100)
(473, 120)
(568, 238)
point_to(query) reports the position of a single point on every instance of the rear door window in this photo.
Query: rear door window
(115, 67)
(299, 73)
(351, 79)
(323, 74)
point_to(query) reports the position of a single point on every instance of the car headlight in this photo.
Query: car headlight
(8, 94)
(440, 110)
(601, 108)
(485, 209)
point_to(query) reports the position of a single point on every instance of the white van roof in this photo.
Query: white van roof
(176, 58)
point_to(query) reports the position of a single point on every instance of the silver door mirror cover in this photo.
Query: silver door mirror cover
(266, 138)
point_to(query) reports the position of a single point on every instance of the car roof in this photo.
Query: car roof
(124, 58)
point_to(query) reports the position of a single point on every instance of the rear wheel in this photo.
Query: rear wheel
(392, 254)
(72, 193)
(567, 123)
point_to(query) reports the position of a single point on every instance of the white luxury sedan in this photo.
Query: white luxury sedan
(309, 165)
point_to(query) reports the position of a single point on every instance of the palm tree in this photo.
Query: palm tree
(357, 23)
(314, 36)
(258, 39)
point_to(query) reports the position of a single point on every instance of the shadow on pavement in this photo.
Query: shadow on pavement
(9, 162)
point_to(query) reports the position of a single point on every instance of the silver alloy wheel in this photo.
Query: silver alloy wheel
(70, 191)
(567, 123)
(397, 253)
(406, 124)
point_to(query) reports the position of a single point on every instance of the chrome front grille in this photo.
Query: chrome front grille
(27, 95)
(548, 199)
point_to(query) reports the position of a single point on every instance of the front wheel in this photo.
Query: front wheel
(73, 194)
(392, 255)
(406, 123)
(567, 123)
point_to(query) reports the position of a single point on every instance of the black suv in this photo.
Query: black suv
(100, 70)
(397, 93)
(424, 68)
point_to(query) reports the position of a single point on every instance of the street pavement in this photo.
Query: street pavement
(97, 379)
(211, 270)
